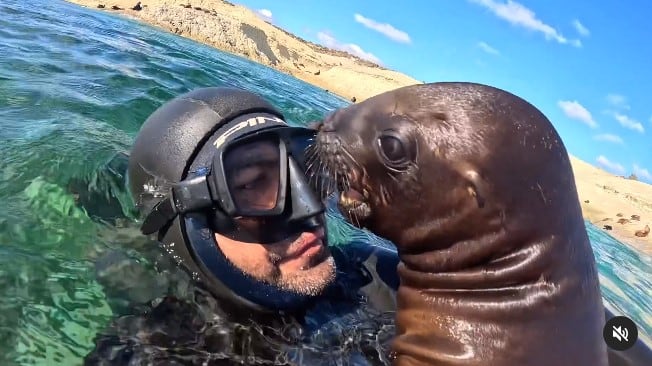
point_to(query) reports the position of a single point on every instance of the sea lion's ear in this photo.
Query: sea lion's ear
(476, 185)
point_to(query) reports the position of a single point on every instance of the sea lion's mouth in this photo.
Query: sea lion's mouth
(354, 197)
(354, 203)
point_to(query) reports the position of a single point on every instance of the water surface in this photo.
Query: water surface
(75, 86)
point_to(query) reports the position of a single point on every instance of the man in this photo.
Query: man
(219, 179)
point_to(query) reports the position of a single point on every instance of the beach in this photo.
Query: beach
(607, 199)
(621, 206)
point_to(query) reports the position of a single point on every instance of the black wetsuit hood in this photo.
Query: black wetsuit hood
(164, 150)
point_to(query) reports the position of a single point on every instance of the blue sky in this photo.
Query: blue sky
(586, 64)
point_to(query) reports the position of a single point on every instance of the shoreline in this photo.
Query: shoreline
(607, 201)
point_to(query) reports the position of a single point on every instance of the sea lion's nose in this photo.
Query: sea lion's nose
(329, 141)
(316, 125)
(327, 127)
(330, 122)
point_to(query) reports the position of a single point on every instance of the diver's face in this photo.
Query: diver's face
(299, 263)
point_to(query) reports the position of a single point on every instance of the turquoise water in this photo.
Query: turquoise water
(75, 86)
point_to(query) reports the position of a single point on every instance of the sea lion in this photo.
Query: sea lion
(475, 188)
(643, 233)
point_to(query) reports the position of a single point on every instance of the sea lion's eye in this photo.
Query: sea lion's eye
(392, 149)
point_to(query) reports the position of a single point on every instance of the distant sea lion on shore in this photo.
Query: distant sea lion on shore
(643, 233)
(475, 188)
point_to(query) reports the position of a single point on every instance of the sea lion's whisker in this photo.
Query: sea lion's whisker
(393, 177)
(321, 186)
(322, 172)
(353, 213)
(312, 155)
(313, 174)
(394, 169)
(384, 195)
(348, 154)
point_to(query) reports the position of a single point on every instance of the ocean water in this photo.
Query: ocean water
(75, 86)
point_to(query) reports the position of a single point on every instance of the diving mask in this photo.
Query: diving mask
(254, 182)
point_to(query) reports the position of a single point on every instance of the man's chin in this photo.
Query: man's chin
(313, 279)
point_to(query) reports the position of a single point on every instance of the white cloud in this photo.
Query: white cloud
(488, 49)
(629, 122)
(574, 110)
(607, 137)
(617, 101)
(266, 14)
(641, 172)
(330, 41)
(386, 29)
(581, 29)
(611, 166)
(519, 15)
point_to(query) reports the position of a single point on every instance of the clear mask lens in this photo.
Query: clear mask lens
(253, 172)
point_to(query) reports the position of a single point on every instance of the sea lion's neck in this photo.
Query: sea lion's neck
(486, 308)
(489, 249)
(493, 260)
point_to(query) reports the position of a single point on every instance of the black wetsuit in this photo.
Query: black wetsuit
(350, 323)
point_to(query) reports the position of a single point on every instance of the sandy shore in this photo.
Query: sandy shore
(606, 199)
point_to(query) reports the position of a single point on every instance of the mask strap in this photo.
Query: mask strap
(163, 213)
(186, 196)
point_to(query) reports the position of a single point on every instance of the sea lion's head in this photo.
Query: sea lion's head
(428, 166)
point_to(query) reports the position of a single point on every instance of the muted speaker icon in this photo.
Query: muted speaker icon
(620, 333)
